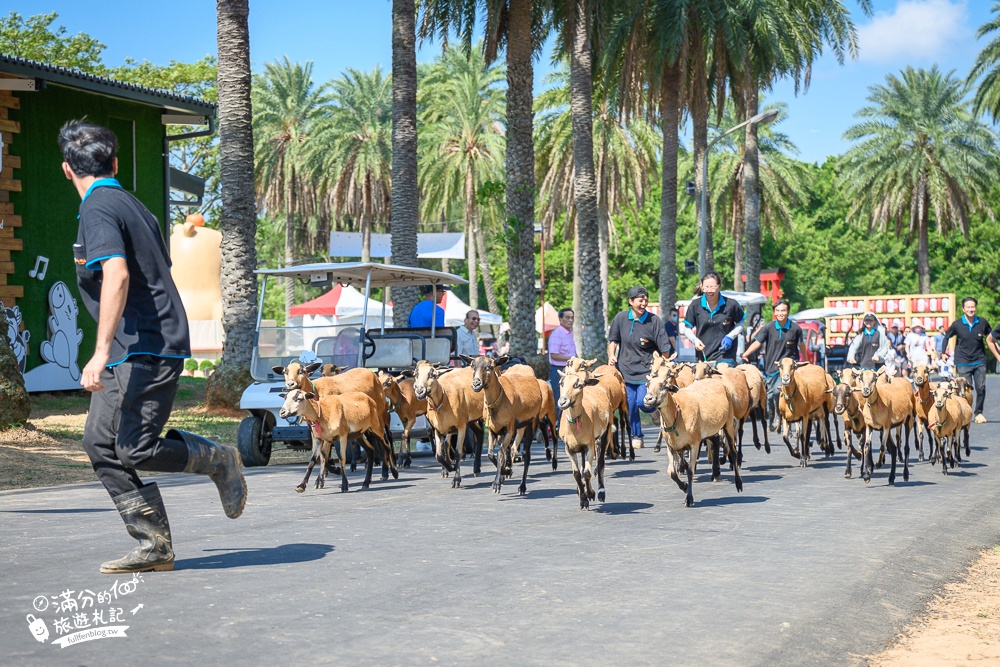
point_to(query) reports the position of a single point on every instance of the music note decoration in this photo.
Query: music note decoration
(37, 272)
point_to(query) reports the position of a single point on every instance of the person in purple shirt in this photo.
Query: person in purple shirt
(561, 348)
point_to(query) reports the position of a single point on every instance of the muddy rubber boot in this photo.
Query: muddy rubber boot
(219, 462)
(146, 520)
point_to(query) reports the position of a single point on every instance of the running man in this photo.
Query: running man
(970, 358)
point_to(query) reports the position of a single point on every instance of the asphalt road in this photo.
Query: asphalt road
(803, 568)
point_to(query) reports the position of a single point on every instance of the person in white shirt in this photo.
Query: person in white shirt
(917, 344)
(468, 340)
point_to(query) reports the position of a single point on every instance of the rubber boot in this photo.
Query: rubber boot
(220, 463)
(146, 520)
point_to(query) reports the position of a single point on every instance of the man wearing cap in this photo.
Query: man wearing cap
(870, 348)
(420, 316)
(970, 359)
(633, 337)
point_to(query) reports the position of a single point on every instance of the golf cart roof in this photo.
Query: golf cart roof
(823, 313)
(356, 273)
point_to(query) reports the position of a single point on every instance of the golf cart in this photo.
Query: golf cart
(344, 341)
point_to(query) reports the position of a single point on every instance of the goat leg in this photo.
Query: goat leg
(785, 428)
(601, 446)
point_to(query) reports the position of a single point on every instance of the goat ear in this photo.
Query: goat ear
(672, 388)
(591, 362)
(561, 373)
(408, 373)
(590, 382)
(310, 395)
(279, 370)
(283, 394)
(777, 363)
(313, 367)
(656, 355)
(500, 361)
(828, 391)
(800, 364)
(441, 370)
(467, 359)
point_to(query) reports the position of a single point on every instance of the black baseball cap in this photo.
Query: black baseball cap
(637, 291)
(427, 289)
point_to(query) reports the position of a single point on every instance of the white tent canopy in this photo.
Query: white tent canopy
(430, 245)
(455, 310)
(823, 313)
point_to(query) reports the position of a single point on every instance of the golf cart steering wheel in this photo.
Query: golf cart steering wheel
(368, 346)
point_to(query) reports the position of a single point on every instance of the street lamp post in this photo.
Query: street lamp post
(762, 118)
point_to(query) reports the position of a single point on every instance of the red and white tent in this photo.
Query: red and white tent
(340, 306)
(455, 310)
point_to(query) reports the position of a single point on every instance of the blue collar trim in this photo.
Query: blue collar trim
(645, 316)
(102, 183)
(975, 321)
(711, 313)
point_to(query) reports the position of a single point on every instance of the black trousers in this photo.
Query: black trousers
(976, 375)
(123, 427)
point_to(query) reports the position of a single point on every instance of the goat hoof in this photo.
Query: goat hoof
(548, 454)
(456, 483)
(365, 485)
(867, 479)
(395, 474)
(656, 450)
(767, 449)
(892, 482)
(591, 494)
(688, 502)
(554, 464)
(601, 495)
(522, 490)
(906, 476)
(300, 488)
(385, 477)
(847, 475)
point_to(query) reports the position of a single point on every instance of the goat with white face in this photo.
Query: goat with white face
(585, 428)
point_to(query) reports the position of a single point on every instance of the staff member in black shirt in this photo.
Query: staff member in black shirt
(718, 321)
(123, 273)
(632, 338)
(780, 338)
(970, 358)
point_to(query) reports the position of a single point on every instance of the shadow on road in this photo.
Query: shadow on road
(730, 500)
(634, 472)
(761, 478)
(80, 510)
(622, 508)
(286, 553)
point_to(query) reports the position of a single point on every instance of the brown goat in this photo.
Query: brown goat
(947, 415)
(886, 406)
(612, 382)
(343, 417)
(687, 417)
(802, 398)
(845, 404)
(402, 401)
(923, 399)
(511, 405)
(584, 428)
(758, 402)
(451, 408)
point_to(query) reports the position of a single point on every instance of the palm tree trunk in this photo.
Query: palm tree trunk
(366, 218)
(603, 231)
(751, 194)
(238, 213)
(923, 253)
(699, 122)
(470, 237)
(670, 113)
(484, 263)
(585, 185)
(520, 172)
(289, 241)
(577, 323)
(404, 151)
(739, 243)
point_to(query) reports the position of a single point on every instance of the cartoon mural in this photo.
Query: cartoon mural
(60, 351)
(17, 338)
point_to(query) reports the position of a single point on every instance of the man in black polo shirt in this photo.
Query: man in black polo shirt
(717, 320)
(970, 358)
(781, 338)
(123, 272)
(632, 338)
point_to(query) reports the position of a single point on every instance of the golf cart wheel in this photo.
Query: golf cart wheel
(253, 439)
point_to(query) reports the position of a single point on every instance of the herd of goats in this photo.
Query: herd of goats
(698, 404)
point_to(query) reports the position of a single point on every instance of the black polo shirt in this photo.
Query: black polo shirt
(113, 223)
(637, 340)
(778, 343)
(969, 349)
(713, 325)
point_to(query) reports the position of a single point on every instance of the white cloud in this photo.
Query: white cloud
(916, 31)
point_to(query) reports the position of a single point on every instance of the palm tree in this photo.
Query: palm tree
(783, 181)
(625, 155)
(287, 110)
(463, 146)
(987, 66)
(919, 149)
(238, 215)
(405, 194)
(784, 40)
(352, 150)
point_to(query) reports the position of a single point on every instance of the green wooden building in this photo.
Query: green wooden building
(51, 335)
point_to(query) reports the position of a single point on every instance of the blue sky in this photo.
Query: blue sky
(337, 34)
